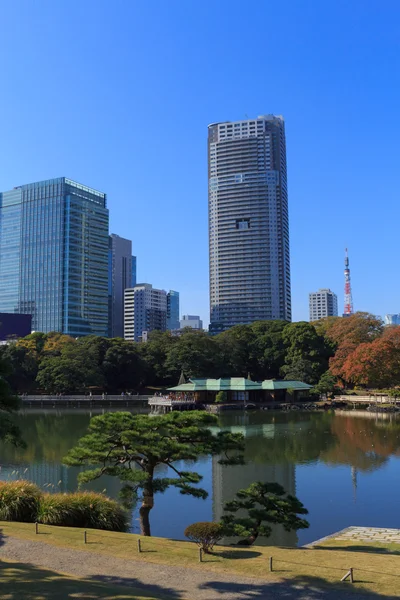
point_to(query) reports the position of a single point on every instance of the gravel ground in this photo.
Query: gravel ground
(164, 580)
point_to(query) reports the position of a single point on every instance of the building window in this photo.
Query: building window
(242, 224)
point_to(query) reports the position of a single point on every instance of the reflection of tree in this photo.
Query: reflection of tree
(48, 437)
(298, 440)
(363, 444)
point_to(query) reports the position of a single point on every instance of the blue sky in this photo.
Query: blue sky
(118, 95)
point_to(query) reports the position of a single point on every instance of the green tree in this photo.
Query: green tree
(326, 385)
(154, 353)
(267, 348)
(123, 366)
(9, 403)
(22, 367)
(131, 447)
(236, 351)
(266, 504)
(221, 397)
(307, 353)
(195, 353)
(72, 371)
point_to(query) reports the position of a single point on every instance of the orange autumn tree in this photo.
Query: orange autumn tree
(347, 333)
(375, 364)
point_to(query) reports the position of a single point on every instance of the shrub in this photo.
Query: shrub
(221, 397)
(82, 509)
(19, 501)
(206, 534)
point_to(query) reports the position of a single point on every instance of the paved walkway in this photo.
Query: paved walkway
(363, 534)
(174, 583)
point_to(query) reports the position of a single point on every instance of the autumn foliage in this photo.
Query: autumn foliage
(366, 354)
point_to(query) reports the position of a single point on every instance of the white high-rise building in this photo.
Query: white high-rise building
(393, 319)
(192, 321)
(145, 309)
(322, 304)
(248, 222)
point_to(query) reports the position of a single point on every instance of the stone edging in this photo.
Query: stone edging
(329, 537)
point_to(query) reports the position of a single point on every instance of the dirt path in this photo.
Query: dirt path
(167, 581)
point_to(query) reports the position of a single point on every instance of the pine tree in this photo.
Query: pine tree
(266, 504)
(131, 447)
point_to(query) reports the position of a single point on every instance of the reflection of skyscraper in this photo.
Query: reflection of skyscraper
(53, 476)
(229, 480)
(56, 477)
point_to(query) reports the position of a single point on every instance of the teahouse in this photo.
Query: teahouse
(240, 389)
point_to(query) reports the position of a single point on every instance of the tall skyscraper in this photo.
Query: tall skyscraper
(121, 269)
(172, 310)
(145, 309)
(322, 304)
(54, 256)
(248, 222)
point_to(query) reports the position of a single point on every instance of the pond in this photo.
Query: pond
(343, 466)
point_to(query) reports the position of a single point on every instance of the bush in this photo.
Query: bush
(82, 509)
(206, 534)
(221, 397)
(19, 501)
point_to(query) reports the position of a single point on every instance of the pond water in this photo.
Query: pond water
(343, 466)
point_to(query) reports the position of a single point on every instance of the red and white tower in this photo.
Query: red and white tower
(348, 299)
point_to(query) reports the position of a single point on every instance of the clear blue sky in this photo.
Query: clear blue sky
(118, 95)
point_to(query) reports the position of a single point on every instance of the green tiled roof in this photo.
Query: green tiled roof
(237, 384)
(270, 384)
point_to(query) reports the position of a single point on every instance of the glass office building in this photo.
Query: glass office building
(173, 310)
(54, 256)
(121, 275)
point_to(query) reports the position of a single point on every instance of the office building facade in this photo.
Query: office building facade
(121, 275)
(192, 321)
(393, 319)
(248, 222)
(322, 304)
(172, 310)
(54, 256)
(145, 310)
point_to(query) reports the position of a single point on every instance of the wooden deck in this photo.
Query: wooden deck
(164, 404)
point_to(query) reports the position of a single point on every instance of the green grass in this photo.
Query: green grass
(360, 546)
(19, 581)
(373, 570)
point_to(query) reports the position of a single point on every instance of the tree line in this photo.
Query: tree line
(344, 352)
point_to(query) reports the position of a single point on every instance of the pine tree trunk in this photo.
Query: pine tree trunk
(249, 541)
(147, 505)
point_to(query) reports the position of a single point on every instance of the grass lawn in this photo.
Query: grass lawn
(19, 581)
(373, 570)
(360, 546)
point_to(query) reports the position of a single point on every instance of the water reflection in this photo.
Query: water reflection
(338, 464)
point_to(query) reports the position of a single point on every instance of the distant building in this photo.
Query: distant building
(14, 326)
(322, 304)
(145, 310)
(392, 319)
(192, 321)
(172, 310)
(54, 256)
(248, 222)
(134, 270)
(121, 271)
